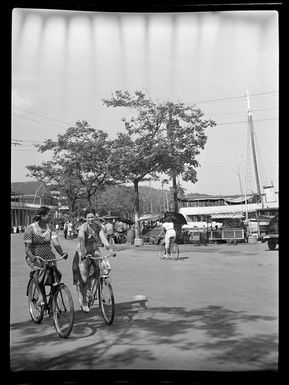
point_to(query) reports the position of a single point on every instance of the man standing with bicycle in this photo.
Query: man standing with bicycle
(168, 232)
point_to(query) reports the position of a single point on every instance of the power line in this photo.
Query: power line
(245, 111)
(245, 121)
(24, 150)
(26, 140)
(235, 97)
(41, 116)
(264, 93)
(37, 121)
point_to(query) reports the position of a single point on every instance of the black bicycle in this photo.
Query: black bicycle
(173, 251)
(100, 288)
(58, 302)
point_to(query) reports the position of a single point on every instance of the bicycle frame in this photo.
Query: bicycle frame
(103, 264)
(53, 287)
(104, 270)
(172, 247)
(162, 242)
(58, 302)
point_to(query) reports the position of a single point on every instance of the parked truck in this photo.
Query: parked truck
(273, 235)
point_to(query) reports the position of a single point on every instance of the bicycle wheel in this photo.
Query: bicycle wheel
(63, 311)
(36, 311)
(174, 250)
(121, 238)
(162, 251)
(106, 300)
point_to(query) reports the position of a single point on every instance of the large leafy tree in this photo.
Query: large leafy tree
(159, 138)
(137, 160)
(138, 150)
(184, 137)
(80, 164)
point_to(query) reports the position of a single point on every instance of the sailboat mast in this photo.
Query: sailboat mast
(250, 120)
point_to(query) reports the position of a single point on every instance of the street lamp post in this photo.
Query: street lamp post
(37, 192)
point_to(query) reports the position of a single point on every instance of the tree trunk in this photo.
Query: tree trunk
(89, 200)
(136, 208)
(175, 194)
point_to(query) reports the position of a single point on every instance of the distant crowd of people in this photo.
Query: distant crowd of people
(112, 227)
(17, 229)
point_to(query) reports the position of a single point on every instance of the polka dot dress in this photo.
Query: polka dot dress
(40, 244)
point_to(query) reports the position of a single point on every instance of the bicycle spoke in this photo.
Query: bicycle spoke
(106, 301)
(36, 311)
(63, 312)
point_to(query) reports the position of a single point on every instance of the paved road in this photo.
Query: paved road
(214, 309)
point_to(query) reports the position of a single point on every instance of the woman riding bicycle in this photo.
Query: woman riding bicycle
(169, 235)
(90, 236)
(37, 239)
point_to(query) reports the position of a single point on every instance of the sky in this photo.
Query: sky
(65, 62)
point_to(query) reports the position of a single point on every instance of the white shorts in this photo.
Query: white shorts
(171, 233)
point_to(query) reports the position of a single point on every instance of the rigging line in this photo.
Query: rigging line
(42, 116)
(37, 121)
(261, 165)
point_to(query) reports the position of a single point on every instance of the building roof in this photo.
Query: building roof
(28, 188)
(226, 198)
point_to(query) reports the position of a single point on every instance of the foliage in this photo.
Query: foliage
(161, 137)
(80, 165)
(119, 200)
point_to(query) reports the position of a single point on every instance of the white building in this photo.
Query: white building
(199, 210)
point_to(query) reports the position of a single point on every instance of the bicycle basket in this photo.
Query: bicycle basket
(105, 267)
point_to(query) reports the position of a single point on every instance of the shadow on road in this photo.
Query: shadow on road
(136, 328)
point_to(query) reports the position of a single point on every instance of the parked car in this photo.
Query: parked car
(273, 236)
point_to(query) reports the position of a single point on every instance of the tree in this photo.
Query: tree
(139, 152)
(80, 165)
(185, 137)
(162, 137)
(115, 200)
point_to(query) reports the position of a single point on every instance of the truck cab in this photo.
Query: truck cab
(273, 235)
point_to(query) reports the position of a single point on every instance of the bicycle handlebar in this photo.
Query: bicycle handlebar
(101, 256)
(64, 256)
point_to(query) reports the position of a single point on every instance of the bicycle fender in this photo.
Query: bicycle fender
(28, 285)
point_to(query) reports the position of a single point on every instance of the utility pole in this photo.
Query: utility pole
(250, 121)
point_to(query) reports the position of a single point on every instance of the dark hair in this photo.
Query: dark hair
(42, 211)
(36, 218)
(88, 211)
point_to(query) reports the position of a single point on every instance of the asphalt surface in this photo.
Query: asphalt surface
(215, 309)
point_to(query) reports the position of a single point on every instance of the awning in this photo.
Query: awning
(228, 216)
(115, 217)
(151, 217)
(63, 208)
